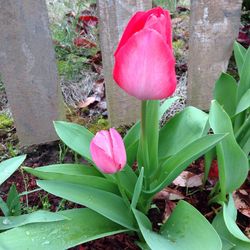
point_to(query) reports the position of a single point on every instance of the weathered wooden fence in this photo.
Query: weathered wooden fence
(27, 64)
(214, 25)
(27, 60)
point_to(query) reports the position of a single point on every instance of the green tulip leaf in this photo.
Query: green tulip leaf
(35, 217)
(229, 242)
(174, 165)
(131, 141)
(226, 99)
(13, 201)
(232, 161)
(244, 83)
(138, 189)
(105, 203)
(75, 137)
(246, 148)
(184, 128)
(74, 173)
(166, 105)
(244, 102)
(239, 54)
(229, 215)
(185, 229)
(8, 167)
(128, 179)
(4, 207)
(83, 225)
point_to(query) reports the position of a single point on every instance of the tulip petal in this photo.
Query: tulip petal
(145, 66)
(135, 24)
(102, 160)
(161, 24)
(119, 152)
(138, 21)
(103, 140)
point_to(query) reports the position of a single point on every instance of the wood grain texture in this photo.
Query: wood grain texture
(114, 15)
(214, 25)
(28, 68)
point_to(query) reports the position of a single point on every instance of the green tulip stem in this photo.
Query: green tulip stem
(144, 141)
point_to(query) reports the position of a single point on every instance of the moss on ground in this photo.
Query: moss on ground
(5, 121)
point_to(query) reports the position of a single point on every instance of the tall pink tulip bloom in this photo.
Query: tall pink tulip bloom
(144, 61)
(108, 151)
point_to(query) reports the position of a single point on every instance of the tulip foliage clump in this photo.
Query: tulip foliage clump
(122, 175)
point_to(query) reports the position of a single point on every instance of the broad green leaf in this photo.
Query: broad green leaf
(4, 207)
(166, 105)
(13, 201)
(232, 161)
(190, 228)
(181, 130)
(246, 147)
(83, 225)
(185, 229)
(74, 173)
(244, 102)
(75, 137)
(229, 215)
(244, 83)
(8, 167)
(227, 99)
(239, 54)
(38, 216)
(128, 179)
(131, 141)
(137, 189)
(228, 240)
(131, 152)
(107, 204)
(132, 135)
(69, 169)
(174, 165)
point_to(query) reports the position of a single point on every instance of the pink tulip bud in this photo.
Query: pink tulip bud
(144, 61)
(108, 151)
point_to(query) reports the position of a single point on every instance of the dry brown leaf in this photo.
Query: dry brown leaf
(242, 202)
(169, 194)
(170, 205)
(87, 102)
(247, 232)
(188, 179)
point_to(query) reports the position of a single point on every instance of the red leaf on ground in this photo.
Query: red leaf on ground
(214, 171)
(82, 42)
(90, 20)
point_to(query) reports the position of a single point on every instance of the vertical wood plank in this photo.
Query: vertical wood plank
(27, 64)
(214, 25)
(114, 15)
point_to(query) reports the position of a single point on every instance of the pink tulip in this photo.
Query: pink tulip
(108, 151)
(144, 61)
